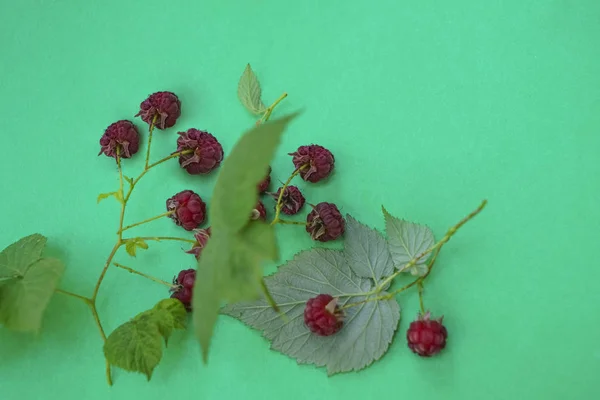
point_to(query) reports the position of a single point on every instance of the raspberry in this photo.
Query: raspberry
(259, 212)
(264, 184)
(184, 288)
(206, 151)
(122, 135)
(317, 160)
(201, 236)
(325, 222)
(426, 337)
(323, 316)
(291, 201)
(164, 105)
(189, 209)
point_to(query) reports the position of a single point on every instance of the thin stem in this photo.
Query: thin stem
(269, 110)
(287, 222)
(75, 295)
(159, 238)
(285, 185)
(150, 130)
(166, 214)
(101, 329)
(420, 286)
(133, 271)
(103, 273)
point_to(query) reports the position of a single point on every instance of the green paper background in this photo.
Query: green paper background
(429, 107)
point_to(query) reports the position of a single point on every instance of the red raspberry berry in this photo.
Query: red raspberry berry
(206, 155)
(426, 337)
(317, 161)
(122, 135)
(164, 105)
(259, 212)
(291, 201)
(323, 316)
(264, 184)
(201, 236)
(325, 222)
(184, 288)
(189, 208)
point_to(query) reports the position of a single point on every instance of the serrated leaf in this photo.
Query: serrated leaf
(131, 246)
(117, 195)
(407, 240)
(136, 346)
(366, 251)
(24, 300)
(249, 92)
(235, 194)
(15, 258)
(368, 328)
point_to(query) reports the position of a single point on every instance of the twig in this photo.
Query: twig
(133, 271)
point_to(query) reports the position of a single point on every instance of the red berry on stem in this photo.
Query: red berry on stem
(189, 209)
(164, 105)
(323, 316)
(205, 151)
(183, 291)
(264, 184)
(291, 201)
(201, 236)
(122, 135)
(325, 222)
(426, 337)
(318, 162)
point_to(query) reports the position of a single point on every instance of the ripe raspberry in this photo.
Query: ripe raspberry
(123, 135)
(323, 316)
(291, 201)
(264, 184)
(325, 222)
(426, 337)
(201, 236)
(164, 105)
(189, 209)
(259, 212)
(319, 160)
(207, 151)
(183, 291)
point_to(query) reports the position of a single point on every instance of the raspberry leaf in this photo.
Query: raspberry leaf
(30, 283)
(249, 92)
(368, 328)
(407, 240)
(366, 251)
(131, 246)
(117, 195)
(136, 346)
(235, 193)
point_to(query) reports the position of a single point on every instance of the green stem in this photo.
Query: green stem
(75, 295)
(286, 222)
(281, 191)
(269, 110)
(159, 238)
(133, 271)
(166, 214)
(420, 286)
(150, 130)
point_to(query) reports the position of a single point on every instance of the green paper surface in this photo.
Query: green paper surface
(429, 107)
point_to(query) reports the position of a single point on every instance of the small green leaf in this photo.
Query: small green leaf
(128, 179)
(249, 92)
(24, 300)
(131, 246)
(117, 195)
(235, 194)
(136, 346)
(406, 241)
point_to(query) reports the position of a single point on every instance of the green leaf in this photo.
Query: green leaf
(136, 346)
(230, 269)
(23, 301)
(368, 328)
(15, 258)
(128, 179)
(366, 251)
(406, 241)
(131, 246)
(117, 195)
(235, 194)
(249, 92)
